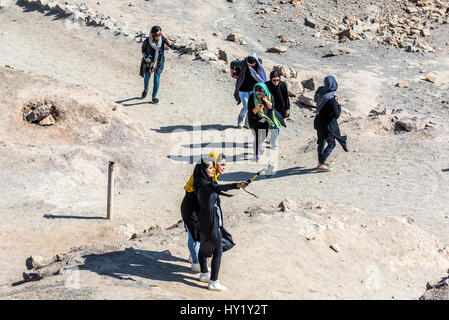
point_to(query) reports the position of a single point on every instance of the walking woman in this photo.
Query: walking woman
(279, 93)
(248, 72)
(190, 210)
(261, 116)
(328, 111)
(153, 60)
(214, 238)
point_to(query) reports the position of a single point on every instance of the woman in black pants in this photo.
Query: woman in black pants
(213, 236)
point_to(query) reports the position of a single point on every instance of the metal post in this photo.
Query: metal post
(110, 189)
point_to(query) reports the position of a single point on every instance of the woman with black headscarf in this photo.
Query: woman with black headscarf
(213, 236)
(279, 93)
(328, 111)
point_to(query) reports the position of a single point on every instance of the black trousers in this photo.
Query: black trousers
(210, 248)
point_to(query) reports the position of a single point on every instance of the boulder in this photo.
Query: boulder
(278, 49)
(207, 55)
(309, 84)
(35, 262)
(406, 124)
(225, 56)
(294, 87)
(196, 46)
(306, 98)
(39, 113)
(234, 37)
(348, 34)
(285, 71)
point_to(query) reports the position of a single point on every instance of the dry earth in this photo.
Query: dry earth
(388, 194)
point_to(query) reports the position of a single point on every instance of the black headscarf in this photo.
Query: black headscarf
(279, 102)
(201, 178)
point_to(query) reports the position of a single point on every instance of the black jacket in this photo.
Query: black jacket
(253, 119)
(150, 52)
(280, 97)
(240, 66)
(190, 212)
(326, 123)
(209, 199)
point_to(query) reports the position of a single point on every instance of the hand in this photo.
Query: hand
(287, 112)
(242, 185)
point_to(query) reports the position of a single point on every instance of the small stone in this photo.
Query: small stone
(411, 10)
(310, 22)
(47, 121)
(348, 34)
(277, 49)
(287, 205)
(430, 78)
(335, 247)
(402, 85)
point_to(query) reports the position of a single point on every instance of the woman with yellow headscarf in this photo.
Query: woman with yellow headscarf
(190, 209)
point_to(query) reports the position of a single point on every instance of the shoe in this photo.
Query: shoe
(204, 277)
(323, 169)
(240, 126)
(144, 94)
(195, 267)
(155, 100)
(190, 259)
(216, 286)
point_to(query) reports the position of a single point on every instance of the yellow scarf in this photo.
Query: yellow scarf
(213, 156)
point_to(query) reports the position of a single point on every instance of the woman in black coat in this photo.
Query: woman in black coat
(279, 92)
(328, 111)
(213, 236)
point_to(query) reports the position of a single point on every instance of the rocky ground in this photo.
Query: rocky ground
(80, 62)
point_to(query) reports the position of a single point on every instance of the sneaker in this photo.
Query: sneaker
(216, 286)
(144, 94)
(240, 126)
(155, 100)
(195, 267)
(204, 277)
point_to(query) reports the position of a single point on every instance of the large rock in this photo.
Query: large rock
(39, 113)
(348, 34)
(207, 55)
(234, 37)
(182, 42)
(294, 87)
(225, 56)
(35, 262)
(407, 124)
(196, 46)
(309, 84)
(285, 71)
(307, 99)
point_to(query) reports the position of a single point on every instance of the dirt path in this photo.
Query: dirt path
(384, 174)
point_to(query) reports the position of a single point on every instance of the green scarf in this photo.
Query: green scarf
(273, 121)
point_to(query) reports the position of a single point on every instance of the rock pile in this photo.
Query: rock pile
(43, 115)
(406, 30)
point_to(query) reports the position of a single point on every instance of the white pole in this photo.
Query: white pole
(110, 189)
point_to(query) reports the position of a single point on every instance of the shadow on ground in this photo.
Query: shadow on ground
(132, 264)
(242, 175)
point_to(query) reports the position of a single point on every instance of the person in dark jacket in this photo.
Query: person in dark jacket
(248, 72)
(190, 210)
(279, 93)
(262, 116)
(328, 111)
(213, 236)
(153, 60)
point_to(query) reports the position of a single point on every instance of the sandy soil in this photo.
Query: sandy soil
(55, 178)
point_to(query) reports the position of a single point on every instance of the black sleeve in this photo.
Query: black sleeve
(226, 187)
(335, 107)
(237, 65)
(165, 43)
(285, 96)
